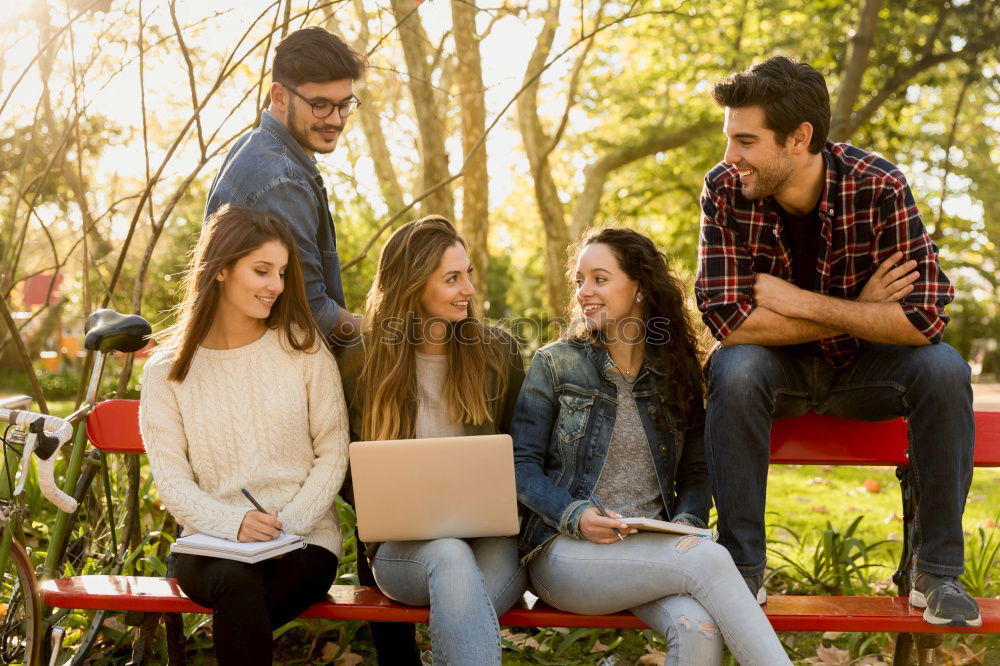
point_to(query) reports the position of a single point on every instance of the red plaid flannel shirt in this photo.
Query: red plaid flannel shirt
(867, 213)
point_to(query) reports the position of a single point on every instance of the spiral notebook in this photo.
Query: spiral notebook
(250, 552)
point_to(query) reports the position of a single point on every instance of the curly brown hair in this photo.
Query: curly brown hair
(671, 343)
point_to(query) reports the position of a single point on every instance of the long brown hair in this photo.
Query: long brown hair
(670, 340)
(388, 378)
(228, 235)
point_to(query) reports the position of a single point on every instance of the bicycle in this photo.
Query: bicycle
(89, 535)
(21, 625)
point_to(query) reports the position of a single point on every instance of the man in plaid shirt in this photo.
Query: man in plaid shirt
(822, 285)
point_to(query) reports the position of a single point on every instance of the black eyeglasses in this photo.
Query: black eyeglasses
(324, 108)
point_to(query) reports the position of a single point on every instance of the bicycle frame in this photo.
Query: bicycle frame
(78, 419)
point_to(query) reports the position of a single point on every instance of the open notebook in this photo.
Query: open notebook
(250, 552)
(652, 525)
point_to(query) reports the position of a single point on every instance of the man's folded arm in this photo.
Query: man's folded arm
(768, 328)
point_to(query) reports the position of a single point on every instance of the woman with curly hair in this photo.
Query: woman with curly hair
(613, 414)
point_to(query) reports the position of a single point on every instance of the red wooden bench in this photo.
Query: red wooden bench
(807, 440)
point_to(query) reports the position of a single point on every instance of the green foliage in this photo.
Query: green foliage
(982, 563)
(834, 561)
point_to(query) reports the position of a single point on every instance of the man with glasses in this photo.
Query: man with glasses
(273, 168)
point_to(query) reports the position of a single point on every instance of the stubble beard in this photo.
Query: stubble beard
(302, 138)
(770, 180)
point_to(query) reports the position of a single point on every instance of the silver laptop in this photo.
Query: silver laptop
(416, 489)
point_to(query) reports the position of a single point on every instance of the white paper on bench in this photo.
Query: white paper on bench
(250, 552)
(652, 525)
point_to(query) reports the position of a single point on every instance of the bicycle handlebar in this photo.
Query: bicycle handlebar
(46, 435)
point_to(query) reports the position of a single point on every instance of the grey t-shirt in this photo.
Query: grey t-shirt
(627, 483)
(432, 405)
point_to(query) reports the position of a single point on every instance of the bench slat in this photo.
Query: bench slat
(815, 439)
(348, 602)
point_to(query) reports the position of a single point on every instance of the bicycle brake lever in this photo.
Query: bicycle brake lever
(22, 474)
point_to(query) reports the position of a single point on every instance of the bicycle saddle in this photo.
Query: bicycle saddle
(108, 330)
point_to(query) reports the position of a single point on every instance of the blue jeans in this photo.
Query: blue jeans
(685, 588)
(751, 385)
(466, 582)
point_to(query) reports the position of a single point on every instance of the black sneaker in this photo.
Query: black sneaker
(756, 585)
(945, 600)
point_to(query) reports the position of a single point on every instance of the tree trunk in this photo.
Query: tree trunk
(858, 49)
(370, 115)
(429, 114)
(475, 180)
(536, 145)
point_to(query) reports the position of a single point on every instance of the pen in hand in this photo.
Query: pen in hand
(603, 511)
(256, 504)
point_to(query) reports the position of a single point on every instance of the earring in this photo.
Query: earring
(638, 298)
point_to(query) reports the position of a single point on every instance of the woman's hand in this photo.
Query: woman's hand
(595, 527)
(257, 526)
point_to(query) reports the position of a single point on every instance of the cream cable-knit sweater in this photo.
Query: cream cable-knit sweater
(262, 417)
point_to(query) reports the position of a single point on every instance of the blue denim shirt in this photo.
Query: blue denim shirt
(268, 170)
(562, 429)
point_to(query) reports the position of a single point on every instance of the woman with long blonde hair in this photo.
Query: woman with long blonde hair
(428, 366)
(244, 394)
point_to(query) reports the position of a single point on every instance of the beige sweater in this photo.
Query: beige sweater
(262, 417)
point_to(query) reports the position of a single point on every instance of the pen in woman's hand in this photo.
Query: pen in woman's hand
(600, 507)
(256, 504)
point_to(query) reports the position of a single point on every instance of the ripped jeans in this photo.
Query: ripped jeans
(686, 588)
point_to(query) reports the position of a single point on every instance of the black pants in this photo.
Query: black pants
(251, 600)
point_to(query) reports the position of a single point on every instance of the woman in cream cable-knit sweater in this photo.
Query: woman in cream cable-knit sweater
(246, 395)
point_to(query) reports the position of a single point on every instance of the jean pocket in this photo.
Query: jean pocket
(574, 411)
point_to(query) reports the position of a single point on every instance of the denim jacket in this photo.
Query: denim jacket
(562, 429)
(268, 170)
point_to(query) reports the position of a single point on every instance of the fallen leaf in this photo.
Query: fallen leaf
(329, 652)
(832, 635)
(115, 624)
(819, 509)
(872, 486)
(880, 586)
(533, 644)
(3, 610)
(893, 517)
(349, 659)
(654, 658)
(990, 523)
(818, 481)
(963, 655)
(830, 656)
(599, 647)
(871, 660)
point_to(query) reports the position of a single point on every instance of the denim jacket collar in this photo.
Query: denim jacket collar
(602, 359)
(274, 127)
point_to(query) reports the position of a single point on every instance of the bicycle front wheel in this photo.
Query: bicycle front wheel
(20, 608)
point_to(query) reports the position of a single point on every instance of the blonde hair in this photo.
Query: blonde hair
(387, 381)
